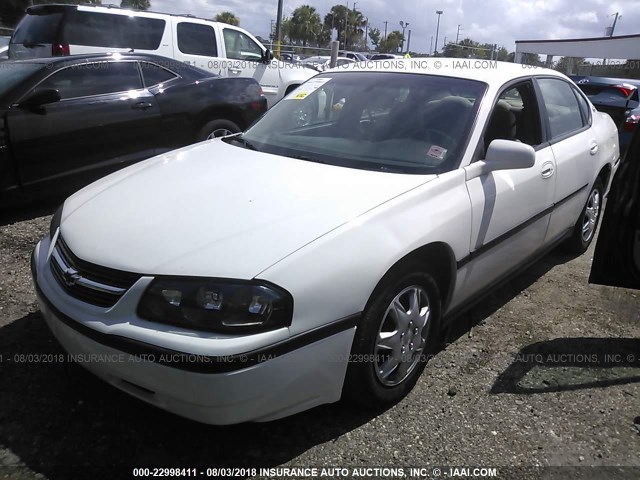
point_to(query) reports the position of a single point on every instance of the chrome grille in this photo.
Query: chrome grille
(94, 284)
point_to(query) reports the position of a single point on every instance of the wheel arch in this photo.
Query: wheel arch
(437, 258)
(217, 113)
(605, 176)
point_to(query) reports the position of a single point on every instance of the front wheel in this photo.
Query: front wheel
(585, 228)
(397, 334)
(217, 129)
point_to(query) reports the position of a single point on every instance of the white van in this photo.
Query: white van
(54, 30)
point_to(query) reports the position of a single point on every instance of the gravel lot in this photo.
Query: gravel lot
(526, 381)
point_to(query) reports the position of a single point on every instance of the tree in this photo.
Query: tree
(228, 18)
(336, 20)
(136, 4)
(375, 36)
(304, 25)
(392, 43)
(355, 31)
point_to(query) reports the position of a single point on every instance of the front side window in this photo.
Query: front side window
(197, 39)
(94, 79)
(240, 46)
(408, 123)
(562, 106)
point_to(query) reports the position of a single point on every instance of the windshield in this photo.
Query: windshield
(11, 74)
(396, 122)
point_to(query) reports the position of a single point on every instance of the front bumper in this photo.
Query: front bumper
(217, 388)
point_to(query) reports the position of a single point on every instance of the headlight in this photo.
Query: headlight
(217, 305)
(55, 221)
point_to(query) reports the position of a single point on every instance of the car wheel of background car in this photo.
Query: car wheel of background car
(398, 331)
(585, 228)
(218, 128)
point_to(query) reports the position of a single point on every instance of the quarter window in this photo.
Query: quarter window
(562, 106)
(114, 31)
(197, 39)
(584, 107)
(94, 79)
(154, 74)
(240, 46)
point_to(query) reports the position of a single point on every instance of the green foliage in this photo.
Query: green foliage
(304, 26)
(392, 43)
(228, 18)
(376, 37)
(136, 4)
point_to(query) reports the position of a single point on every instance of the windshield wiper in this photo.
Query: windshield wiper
(248, 145)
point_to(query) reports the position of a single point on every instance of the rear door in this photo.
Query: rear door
(105, 119)
(575, 149)
(196, 43)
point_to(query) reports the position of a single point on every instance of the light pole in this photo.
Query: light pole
(458, 34)
(404, 26)
(435, 50)
(278, 29)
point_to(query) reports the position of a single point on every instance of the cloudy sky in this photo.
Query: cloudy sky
(494, 21)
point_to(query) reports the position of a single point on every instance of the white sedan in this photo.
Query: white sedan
(252, 277)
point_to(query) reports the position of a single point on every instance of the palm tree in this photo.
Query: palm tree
(336, 20)
(228, 18)
(304, 25)
(136, 4)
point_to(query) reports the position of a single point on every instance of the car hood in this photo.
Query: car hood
(214, 209)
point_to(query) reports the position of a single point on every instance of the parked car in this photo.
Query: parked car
(619, 98)
(322, 63)
(616, 260)
(259, 275)
(385, 56)
(76, 118)
(226, 50)
(355, 56)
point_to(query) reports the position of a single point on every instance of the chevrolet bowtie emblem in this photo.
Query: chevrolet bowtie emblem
(70, 276)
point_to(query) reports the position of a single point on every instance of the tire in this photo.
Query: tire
(217, 129)
(371, 379)
(585, 228)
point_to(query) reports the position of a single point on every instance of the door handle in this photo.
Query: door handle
(593, 149)
(235, 70)
(142, 106)
(547, 170)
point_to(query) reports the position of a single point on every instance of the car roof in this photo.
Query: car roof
(71, 59)
(488, 71)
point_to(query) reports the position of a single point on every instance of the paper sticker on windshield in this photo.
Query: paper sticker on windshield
(437, 152)
(307, 89)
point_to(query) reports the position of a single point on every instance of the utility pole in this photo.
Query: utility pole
(366, 36)
(613, 27)
(435, 50)
(346, 24)
(409, 42)
(404, 26)
(431, 45)
(355, 30)
(458, 34)
(278, 30)
(385, 30)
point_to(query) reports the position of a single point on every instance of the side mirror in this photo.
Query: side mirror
(40, 98)
(267, 56)
(503, 155)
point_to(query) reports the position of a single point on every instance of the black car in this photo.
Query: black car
(77, 118)
(616, 260)
(619, 98)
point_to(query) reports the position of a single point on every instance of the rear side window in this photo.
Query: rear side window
(94, 79)
(562, 106)
(115, 31)
(154, 74)
(37, 29)
(584, 107)
(197, 39)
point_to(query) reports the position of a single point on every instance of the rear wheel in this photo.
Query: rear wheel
(217, 129)
(397, 334)
(585, 228)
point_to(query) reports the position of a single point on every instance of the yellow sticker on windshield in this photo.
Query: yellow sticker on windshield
(306, 89)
